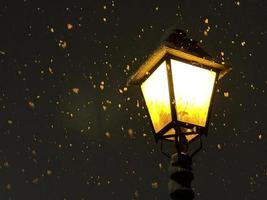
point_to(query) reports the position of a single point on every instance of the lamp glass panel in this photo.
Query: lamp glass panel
(156, 93)
(193, 88)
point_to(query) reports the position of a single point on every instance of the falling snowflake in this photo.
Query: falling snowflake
(62, 44)
(226, 94)
(75, 90)
(69, 26)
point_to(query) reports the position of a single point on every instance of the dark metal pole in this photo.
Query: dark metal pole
(181, 177)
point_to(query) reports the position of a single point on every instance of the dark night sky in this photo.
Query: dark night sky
(71, 129)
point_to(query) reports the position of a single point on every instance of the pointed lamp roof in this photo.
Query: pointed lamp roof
(175, 43)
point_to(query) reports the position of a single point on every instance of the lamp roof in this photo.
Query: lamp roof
(176, 44)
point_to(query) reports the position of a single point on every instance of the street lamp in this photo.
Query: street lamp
(177, 82)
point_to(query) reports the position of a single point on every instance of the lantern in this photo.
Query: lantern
(178, 82)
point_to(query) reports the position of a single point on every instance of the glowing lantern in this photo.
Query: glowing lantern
(177, 82)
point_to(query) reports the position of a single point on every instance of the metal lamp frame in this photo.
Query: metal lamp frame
(175, 123)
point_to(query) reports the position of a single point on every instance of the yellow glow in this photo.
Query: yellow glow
(172, 132)
(191, 137)
(188, 130)
(156, 94)
(192, 89)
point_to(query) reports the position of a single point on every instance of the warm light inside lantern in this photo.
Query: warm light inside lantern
(156, 93)
(193, 88)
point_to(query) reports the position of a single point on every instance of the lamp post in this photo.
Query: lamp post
(177, 82)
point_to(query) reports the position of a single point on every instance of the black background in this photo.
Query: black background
(69, 127)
